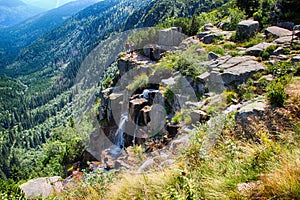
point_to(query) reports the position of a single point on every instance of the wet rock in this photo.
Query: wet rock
(135, 106)
(212, 56)
(276, 32)
(258, 49)
(286, 25)
(208, 39)
(145, 115)
(247, 28)
(42, 186)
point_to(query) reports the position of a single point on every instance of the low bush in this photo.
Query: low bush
(276, 94)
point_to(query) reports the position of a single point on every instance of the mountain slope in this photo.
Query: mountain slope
(15, 11)
(19, 36)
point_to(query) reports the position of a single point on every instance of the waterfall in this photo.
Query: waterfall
(136, 128)
(119, 136)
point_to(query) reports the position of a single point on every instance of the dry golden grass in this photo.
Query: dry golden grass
(141, 186)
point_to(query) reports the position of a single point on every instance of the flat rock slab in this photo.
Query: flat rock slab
(42, 186)
(284, 40)
(276, 32)
(256, 50)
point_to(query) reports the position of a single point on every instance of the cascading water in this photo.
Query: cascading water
(119, 136)
(136, 128)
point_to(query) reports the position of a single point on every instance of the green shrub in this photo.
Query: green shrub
(276, 94)
(138, 82)
(230, 96)
(216, 49)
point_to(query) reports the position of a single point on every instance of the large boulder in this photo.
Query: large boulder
(247, 28)
(276, 32)
(208, 39)
(257, 50)
(42, 187)
(286, 25)
(171, 37)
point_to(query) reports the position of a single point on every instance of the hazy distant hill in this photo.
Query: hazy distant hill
(19, 36)
(15, 11)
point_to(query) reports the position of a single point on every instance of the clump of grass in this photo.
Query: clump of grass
(276, 94)
(283, 181)
(216, 49)
(138, 82)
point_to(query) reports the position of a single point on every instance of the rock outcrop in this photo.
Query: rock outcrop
(43, 187)
(276, 32)
(247, 28)
(257, 50)
(227, 71)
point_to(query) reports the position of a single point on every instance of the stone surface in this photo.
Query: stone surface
(179, 143)
(247, 28)
(286, 25)
(199, 116)
(256, 107)
(42, 186)
(278, 51)
(296, 28)
(208, 27)
(147, 166)
(284, 40)
(212, 56)
(202, 34)
(276, 32)
(256, 50)
(208, 39)
(296, 59)
(171, 37)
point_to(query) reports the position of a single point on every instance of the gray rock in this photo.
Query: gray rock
(258, 49)
(278, 51)
(241, 72)
(202, 34)
(161, 158)
(171, 37)
(286, 25)
(42, 186)
(254, 108)
(276, 32)
(212, 56)
(147, 166)
(208, 39)
(201, 51)
(208, 27)
(284, 40)
(247, 28)
(167, 163)
(179, 143)
(199, 116)
(296, 28)
(296, 59)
